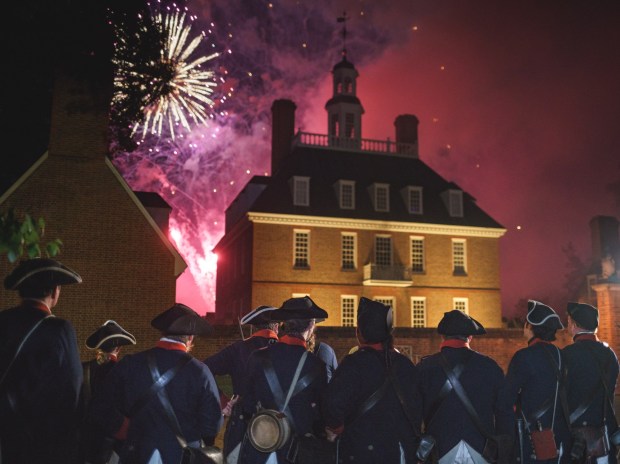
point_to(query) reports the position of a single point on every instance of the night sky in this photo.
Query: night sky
(518, 104)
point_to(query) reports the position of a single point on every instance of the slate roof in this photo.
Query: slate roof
(326, 166)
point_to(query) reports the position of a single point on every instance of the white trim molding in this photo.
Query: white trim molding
(364, 224)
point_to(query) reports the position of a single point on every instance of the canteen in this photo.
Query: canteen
(268, 430)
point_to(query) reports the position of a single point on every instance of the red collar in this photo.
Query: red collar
(37, 305)
(288, 340)
(265, 333)
(533, 341)
(374, 346)
(171, 345)
(454, 343)
(585, 336)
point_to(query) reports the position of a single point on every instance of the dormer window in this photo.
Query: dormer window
(455, 203)
(301, 191)
(346, 194)
(414, 200)
(381, 197)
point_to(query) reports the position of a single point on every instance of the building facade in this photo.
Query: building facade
(343, 217)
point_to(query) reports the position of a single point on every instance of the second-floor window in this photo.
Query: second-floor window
(418, 311)
(459, 257)
(349, 245)
(383, 250)
(301, 191)
(301, 249)
(417, 254)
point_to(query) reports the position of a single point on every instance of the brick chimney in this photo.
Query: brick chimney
(80, 117)
(282, 131)
(407, 134)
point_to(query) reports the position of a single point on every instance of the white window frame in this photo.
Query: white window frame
(455, 203)
(416, 301)
(352, 300)
(410, 202)
(378, 236)
(460, 303)
(296, 234)
(353, 235)
(341, 185)
(301, 191)
(412, 239)
(462, 242)
(382, 188)
(299, 295)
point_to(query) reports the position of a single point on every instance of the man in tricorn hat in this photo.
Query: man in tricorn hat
(232, 360)
(535, 385)
(276, 366)
(366, 412)
(40, 370)
(465, 397)
(106, 341)
(591, 375)
(125, 409)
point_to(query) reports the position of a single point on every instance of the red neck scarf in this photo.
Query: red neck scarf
(175, 346)
(454, 343)
(37, 304)
(374, 346)
(288, 340)
(534, 340)
(265, 333)
(585, 336)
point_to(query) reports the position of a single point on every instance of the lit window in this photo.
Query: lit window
(301, 249)
(462, 304)
(301, 191)
(348, 308)
(414, 200)
(383, 250)
(417, 254)
(382, 197)
(418, 311)
(349, 245)
(459, 257)
(346, 194)
(455, 199)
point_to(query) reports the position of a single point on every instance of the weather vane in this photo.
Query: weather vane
(343, 19)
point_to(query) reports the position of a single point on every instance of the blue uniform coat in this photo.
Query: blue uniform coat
(305, 406)
(582, 359)
(192, 392)
(378, 435)
(532, 381)
(43, 384)
(486, 387)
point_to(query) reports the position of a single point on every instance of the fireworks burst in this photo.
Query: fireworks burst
(159, 81)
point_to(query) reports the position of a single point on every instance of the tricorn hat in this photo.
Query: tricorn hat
(258, 316)
(583, 314)
(542, 315)
(456, 322)
(374, 320)
(109, 336)
(40, 272)
(298, 308)
(181, 320)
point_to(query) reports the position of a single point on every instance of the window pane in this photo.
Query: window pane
(383, 251)
(382, 200)
(418, 312)
(347, 199)
(417, 255)
(415, 201)
(348, 311)
(300, 193)
(302, 242)
(348, 251)
(458, 257)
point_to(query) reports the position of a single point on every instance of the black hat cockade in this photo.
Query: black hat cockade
(540, 314)
(374, 320)
(298, 308)
(41, 273)
(456, 323)
(258, 316)
(181, 320)
(584, 315)
(109, 336)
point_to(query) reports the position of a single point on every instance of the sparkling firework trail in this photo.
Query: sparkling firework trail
(173, 87)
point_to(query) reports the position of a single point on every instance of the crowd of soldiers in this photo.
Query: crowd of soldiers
(291, 401)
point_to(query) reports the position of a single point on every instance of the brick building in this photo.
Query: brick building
(128, 265)
(343, 217)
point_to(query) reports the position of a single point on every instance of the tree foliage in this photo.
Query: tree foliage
(22, 236)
